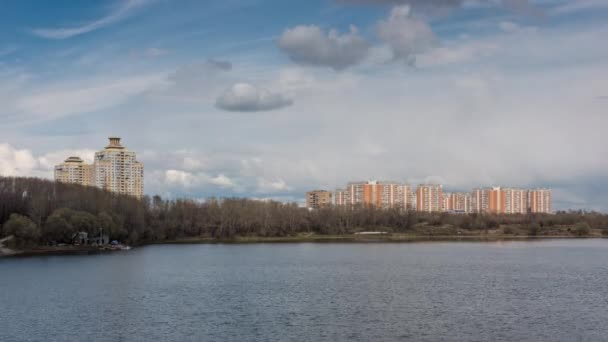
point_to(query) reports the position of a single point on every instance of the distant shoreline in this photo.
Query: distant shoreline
(308, 238)
(352, 238)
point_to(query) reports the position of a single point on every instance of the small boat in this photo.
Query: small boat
(119, 247)
(116, 246)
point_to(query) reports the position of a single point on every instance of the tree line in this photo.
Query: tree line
(38, 211)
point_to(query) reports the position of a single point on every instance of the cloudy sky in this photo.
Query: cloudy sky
(268, 99)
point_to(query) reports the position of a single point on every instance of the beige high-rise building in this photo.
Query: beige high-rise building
(73, 170)
(117, 170)
(429, 198)
(318, 199)
(114, 169)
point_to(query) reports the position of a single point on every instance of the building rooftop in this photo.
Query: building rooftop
(114, 143)
(74, 160)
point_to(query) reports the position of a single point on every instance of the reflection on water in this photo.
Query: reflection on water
(500, 291)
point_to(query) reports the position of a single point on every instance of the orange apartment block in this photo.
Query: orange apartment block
(496, 202)
(518, 201)
(429, 198)
(540, 200)
(375, 194)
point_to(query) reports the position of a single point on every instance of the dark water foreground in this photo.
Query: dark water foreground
(554, 290)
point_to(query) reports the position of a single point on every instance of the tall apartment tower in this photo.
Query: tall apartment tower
(480, 200)
(457, 202)
(508, 201)
(117, 170)
(340, 196)
(540, 201)
(376, 194)
(405, 196)
(429, 198)
(516, 201)
(318, 199)
(73, 170)
(496, 201)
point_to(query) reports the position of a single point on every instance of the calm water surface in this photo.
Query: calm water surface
(512, 291)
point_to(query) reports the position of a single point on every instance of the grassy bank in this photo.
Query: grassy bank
(420, 233)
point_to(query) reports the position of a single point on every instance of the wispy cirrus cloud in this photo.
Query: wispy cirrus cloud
(121, 12)
(579, 6)
(59, 100)
(5, 51)
(525, 7)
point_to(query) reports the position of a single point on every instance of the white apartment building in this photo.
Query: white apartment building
(516, 201)
(480, 200)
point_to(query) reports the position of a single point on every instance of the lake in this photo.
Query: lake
(551, 290)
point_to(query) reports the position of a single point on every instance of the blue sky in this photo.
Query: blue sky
(268, 99)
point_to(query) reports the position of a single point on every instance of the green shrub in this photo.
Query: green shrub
(582, 229)
(533, 229)
(22, 228)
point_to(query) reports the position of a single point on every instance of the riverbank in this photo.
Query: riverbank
(352, 238)
(422, 233)
(53, 250)
(428, 234)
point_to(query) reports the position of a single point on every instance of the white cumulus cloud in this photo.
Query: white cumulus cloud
(23, 163)
(269, 186)
(14, 162)
(245, 97)
(406, 35)
(309, 45)
(199, 179)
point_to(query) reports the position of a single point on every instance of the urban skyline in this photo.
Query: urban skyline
(116, 169)
(432, 198)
